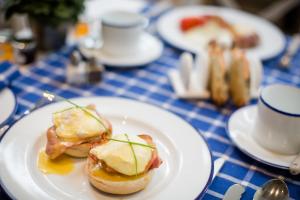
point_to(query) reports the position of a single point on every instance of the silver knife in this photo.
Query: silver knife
(218, 164)
(38, 104)
(234, 192)
(3, 129)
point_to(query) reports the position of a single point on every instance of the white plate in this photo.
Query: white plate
(8, 105)
(150, 50)
(272, 40)
(239, 129)
(186, 157)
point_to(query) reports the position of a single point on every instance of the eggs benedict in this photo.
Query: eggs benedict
(122, 165)
(75, 130)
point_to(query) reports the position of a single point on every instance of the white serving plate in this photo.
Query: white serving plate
(185, 154)
(272, 40)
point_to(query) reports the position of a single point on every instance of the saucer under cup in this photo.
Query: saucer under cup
(240, 128)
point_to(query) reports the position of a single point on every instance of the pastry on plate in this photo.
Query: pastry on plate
(217, 75)
(239, 78)
(120, 167)
(75, 130)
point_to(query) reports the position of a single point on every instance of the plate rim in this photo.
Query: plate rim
(210, 177)
(183, 48)
(245, 151)
(14, 109)
(135, 64)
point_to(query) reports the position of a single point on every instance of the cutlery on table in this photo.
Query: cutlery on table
(274, 189)
(234, 192)
(218, 164)
(291, 50)
(38, 104)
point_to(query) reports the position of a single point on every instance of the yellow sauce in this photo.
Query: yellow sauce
(114, 177)
(62, 165)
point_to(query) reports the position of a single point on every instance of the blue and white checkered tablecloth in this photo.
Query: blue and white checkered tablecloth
(150, 84)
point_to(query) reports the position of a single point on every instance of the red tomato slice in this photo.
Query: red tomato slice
(190, 22)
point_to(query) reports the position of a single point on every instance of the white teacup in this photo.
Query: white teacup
(121, 32)
(277, 124)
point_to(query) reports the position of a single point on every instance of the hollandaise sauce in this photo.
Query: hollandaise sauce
(114, 176)
(62, 165)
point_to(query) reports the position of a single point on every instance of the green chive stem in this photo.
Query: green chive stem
(64, 110)
(134, 143)
(135, 160)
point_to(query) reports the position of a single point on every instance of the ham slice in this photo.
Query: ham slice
(155, 161)
(55, 147)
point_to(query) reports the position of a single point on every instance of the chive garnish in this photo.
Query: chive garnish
(132, 143)
(64, 110)
(134, 156)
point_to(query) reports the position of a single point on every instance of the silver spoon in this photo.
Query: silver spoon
(274, 189)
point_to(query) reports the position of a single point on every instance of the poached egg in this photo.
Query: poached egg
(119, 155)
(76, 124)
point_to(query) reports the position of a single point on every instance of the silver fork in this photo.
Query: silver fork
(38, 104)
(290, 52)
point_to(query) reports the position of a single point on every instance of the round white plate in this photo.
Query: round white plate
(150, 50)
(272, 40)
(239, 129)
(8, 105)
(186, 157)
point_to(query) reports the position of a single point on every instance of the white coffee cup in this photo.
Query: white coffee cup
(121, 32)
(277, 123)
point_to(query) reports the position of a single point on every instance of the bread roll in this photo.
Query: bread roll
(109, 185)
(217, 75)
(239, 78)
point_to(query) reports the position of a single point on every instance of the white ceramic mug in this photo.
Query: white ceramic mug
(121, 32)
(277, 123)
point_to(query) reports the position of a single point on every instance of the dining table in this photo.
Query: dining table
(150, 84)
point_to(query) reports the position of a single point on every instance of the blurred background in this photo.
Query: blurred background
(284, 13)
(24, 24)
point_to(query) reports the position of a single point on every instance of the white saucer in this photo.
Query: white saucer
(8, 105)
(239, 129)
(150, 50)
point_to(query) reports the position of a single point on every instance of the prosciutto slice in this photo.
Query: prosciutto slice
(155, 161)
(55, 147)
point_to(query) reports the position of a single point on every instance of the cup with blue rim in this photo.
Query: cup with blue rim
(122, 32)
(277, 124)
